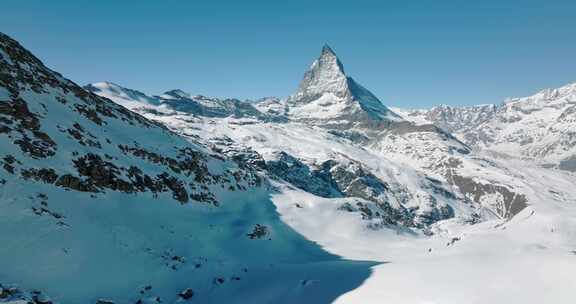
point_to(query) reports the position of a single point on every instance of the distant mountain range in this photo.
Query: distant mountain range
(541, 127)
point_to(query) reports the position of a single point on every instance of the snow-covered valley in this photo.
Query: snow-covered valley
(110, 195)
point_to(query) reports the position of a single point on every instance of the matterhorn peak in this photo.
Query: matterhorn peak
(325, 75)
(328, 55)
(327, 49)
(327, 93)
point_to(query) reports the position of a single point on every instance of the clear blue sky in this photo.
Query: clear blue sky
(409, 53)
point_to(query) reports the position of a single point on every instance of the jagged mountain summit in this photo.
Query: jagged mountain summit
(327, 95)
(450, 118)
(539, 127)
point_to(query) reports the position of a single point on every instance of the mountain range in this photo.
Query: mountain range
(111, 195)
(539, 128)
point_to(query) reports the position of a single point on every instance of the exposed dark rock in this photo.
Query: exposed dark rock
(186, 294)
(46, 175)
(72, 182)
(178, 190)
(512, 202)
(8, 163)
(258, 232)
(452, 241)
(299, 174)
(243, 156)
(101, 174)
(351, 135)
(77, 132)
(40, 145)
(188, 162)
(350, 179)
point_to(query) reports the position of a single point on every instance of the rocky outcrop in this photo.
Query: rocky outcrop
(24, 128)
(244, 156)
(351, 179)
(292, 170)
(502, 200)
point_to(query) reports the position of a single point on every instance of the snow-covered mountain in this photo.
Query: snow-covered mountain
(368, 184)
(327, 96)
(449, 118)
(177, 100)
(539, 127)
(101, 205)
(411, 175)
(177, 198)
